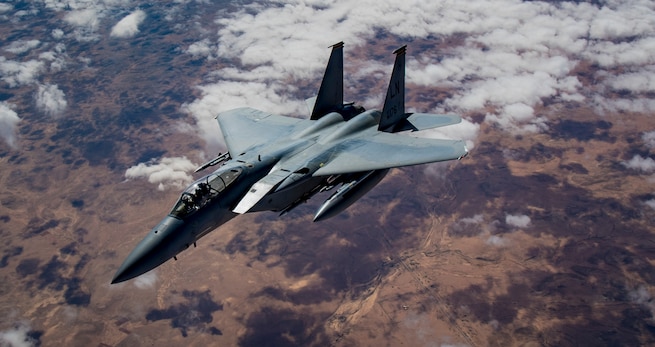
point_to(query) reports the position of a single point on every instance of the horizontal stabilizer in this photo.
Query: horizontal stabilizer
(385, 150)
(424, 121)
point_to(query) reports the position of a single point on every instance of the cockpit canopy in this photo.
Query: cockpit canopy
(202, 191)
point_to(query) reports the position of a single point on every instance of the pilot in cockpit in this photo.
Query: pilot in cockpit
(201, 192)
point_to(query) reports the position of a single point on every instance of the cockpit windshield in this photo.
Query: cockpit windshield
(203, 191)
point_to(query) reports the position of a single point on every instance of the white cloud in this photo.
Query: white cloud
(5, 7)
(644, 81)
(418, 325)
(497, 240)
(51, 100)
(85, 18)
(619, 23)
(17, 336)
(202, 48)
(167, 172)
(649, 139)
(650, 203)
(22, 46)
(8, 122)
(85, 15)
(57, 34)
(57, 58)
(518, 118)
(641, 295)
(476, 219)
(128, 26)
(70, 313)
(518, 221)
(478, 226)
(16, 73)
(609, 54)
(147, 280)
(514, 56)
(638, 104)
(640, 163)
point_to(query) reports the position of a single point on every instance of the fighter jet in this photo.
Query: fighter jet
(275, 163)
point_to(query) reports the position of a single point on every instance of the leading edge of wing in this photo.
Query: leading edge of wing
(245, 128)
(385, 150)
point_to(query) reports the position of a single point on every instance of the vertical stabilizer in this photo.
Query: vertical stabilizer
(330, 94)
(394, 104)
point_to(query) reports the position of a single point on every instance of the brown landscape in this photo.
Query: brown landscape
(534, 239)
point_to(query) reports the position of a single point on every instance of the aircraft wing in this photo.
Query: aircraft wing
(385, 150)
(245, 128)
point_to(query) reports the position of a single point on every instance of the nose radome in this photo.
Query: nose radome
(161, 244)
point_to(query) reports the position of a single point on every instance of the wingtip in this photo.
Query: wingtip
(466, 152)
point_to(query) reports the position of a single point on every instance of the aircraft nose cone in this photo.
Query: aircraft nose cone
(161, 244)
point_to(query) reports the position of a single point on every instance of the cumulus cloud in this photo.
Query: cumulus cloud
(517, 220)
(643, 81)
(18, 336)
(51, 100)
(16, 73)
(5, 7)
(476, 219)
(649, 139)
(514, 57)
(146, 281)
(650, 203)
(497, 240)
(167, 172)
(641, 295)
(477, 226)
(128, 26)
(22, 46)
(424, 332)
(518, 118)
(202, 48)
(57, 34)
(640, 163)
(488, 231)
(84, 18)
(8, 122)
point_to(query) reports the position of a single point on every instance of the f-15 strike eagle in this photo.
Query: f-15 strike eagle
(275, 163)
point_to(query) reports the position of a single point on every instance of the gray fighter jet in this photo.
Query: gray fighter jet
(275, 163)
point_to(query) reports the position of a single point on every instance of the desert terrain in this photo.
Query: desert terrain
(537, 238)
